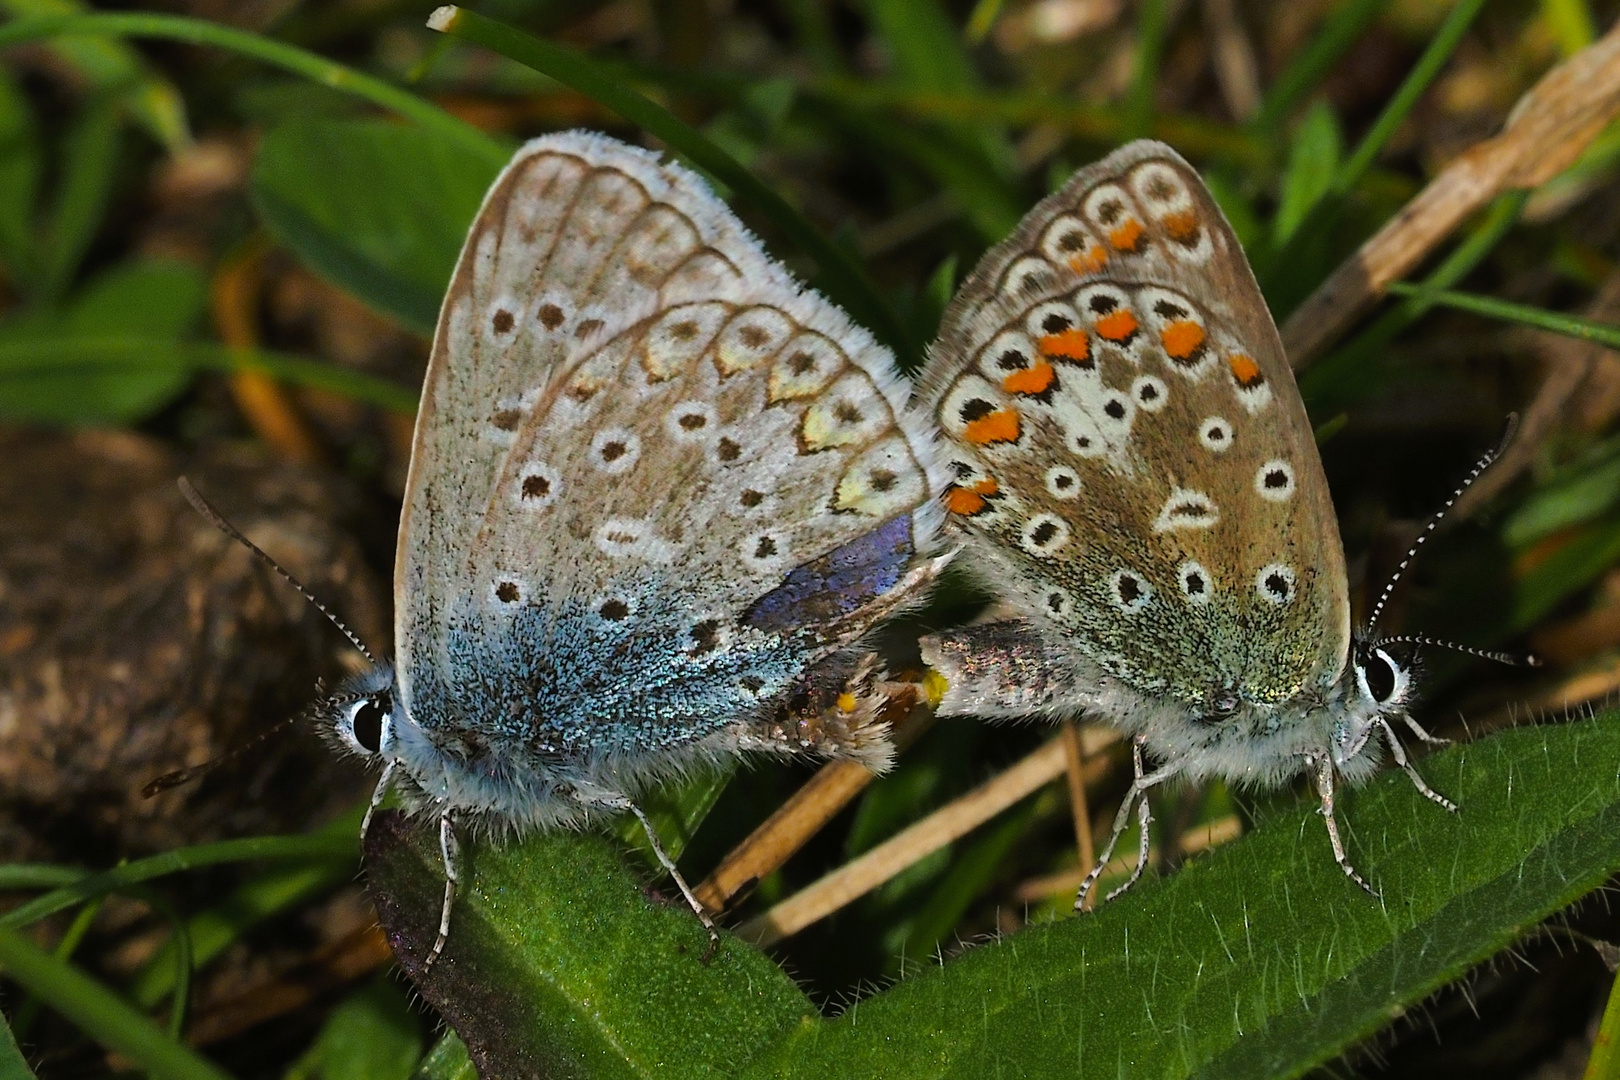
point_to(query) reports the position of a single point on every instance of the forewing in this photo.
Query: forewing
(1132, 461)
(654, 478)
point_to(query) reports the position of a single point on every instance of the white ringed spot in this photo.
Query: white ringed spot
(763, 553)
(538, 486)
(1275, 583)
(1057, 603)
(1062, 482)
(691, 421)
(632, 538)
(1186, 509)
(1129, 591)
(1274, 481)
(1216, 434)
(1044, 534)
(1196, 584)
(1150, 393)
(615, 450)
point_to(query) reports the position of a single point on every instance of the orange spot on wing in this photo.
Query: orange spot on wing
(1117, 325)
(999, 426)
(1182, 338)
(1037, 379)
(1244, 370)
(1182, 225)
(964, 502)
(847, 702)
(1071, 344)
(1090, 261)
(969, 501)
(1126, 235)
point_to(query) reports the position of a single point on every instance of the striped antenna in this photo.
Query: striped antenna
(1439, 516)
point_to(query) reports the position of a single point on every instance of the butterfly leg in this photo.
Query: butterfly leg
(1417, 729)
(1138, 791)
(620, 802)
(1399, 751)
(1324, 790)
(449, 851)
(377, 796)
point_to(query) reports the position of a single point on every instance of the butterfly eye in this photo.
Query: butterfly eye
(1380, 676)
(366, 723)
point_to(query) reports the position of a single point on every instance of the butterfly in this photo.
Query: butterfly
(1134, 473)
(657, 492)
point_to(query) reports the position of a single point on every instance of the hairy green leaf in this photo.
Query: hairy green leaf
(1259, 960)
(378, 209)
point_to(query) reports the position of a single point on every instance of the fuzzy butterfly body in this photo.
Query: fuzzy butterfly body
(657, 490)
(1133, 470)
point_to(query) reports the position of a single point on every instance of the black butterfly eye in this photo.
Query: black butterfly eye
(1380, 676)
(367, 723)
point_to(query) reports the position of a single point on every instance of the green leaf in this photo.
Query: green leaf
(1258, 960)
(1580, 492)
(370, 1036)
(20, 164)
(377, 209)
(447, 1060)
(158, 302)
(90, 157)
(559, 965)
(1313, 159)
(13, 1066)
(1262, 960)
(107, 64)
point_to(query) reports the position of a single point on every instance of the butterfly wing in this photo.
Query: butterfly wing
(653, 478)
(1132, 462)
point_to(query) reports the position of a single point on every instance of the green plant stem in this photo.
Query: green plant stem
(287, 57)
(99, 1012)
(842, 276)
(34, 360)
(326, 844)
(1434, 58)
(1607, 334)
(17, 876)
(1604, 1064)
(1308, 67)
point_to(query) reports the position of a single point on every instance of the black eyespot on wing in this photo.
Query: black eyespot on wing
(368, 723)
(1055, 323)
(1128, 588)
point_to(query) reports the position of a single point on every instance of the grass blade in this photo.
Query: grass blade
(21, 361)
(1405, 99)
(1311, 64)
(1574, 326)
(842, 277)
(336, 841)
(287, 57)
(99, 1012)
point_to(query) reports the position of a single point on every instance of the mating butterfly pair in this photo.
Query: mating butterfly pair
(658, 491)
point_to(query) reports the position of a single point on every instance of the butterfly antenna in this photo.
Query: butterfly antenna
(201, 505)
(1513, 659)
(191, 772)
(1479, 468)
